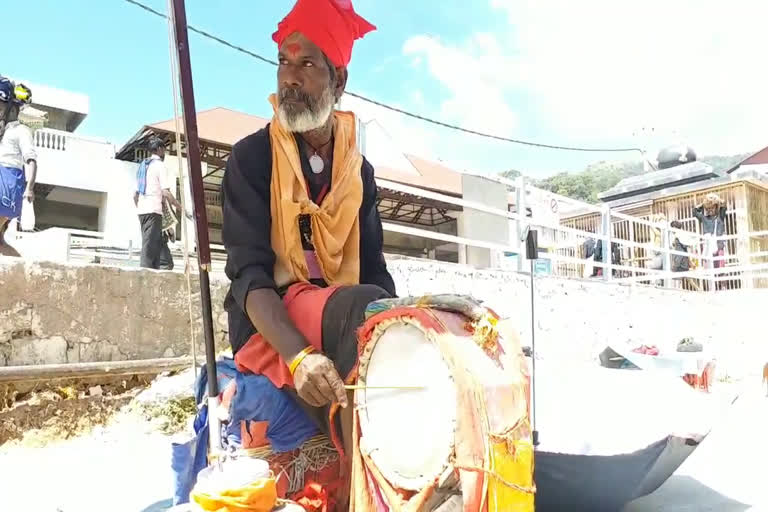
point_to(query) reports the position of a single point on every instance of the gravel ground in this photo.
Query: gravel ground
(124, 467)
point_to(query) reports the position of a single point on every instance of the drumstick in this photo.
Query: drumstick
(350, 387)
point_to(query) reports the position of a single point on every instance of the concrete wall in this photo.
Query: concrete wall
(53, 313)
(483, 226)
(83, 177)
(88, 173)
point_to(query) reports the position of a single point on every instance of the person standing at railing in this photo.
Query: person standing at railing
(18, 159)
(680, 263)
(152, 190)
(657, 239)
(711, 216)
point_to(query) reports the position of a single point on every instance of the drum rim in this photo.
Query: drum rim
(397, 480)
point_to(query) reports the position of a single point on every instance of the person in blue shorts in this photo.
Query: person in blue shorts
(18, 159)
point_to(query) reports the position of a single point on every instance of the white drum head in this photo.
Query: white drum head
(409, 434)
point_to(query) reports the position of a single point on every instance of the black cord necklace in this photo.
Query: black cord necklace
(316, 162)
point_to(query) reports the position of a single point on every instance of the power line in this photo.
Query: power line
(390, 107)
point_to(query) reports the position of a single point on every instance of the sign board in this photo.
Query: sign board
(542, 267)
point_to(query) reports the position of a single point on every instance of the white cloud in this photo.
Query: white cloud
(476, 96)
(408, 135)
(598, 70)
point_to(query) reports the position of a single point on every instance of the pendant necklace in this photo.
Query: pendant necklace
(316, 162)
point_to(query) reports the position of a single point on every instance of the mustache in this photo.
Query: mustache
(288, 93)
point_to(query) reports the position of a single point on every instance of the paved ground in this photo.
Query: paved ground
(727, 473)
(124, 468)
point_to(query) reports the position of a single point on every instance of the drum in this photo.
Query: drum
(441, 408)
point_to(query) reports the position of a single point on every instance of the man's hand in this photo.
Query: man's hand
(29, 194)
(318, 382)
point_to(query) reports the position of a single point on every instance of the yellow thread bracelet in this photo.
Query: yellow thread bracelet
(299, 358)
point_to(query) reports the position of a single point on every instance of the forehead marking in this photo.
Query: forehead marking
(293, 48)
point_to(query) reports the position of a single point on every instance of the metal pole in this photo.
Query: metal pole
(182, 184)
(607, 244)
(534, 432)
(520, 198)
(198, 200)
(667, 241)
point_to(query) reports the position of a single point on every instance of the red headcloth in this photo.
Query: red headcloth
(333, 25)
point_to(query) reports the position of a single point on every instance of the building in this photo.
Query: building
(407, 188)
(80, 185)
(84, 184)
(757, 163)
(674, 192)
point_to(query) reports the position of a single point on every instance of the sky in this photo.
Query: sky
(593, 73)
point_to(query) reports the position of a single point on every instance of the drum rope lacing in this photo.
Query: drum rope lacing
(494, 474)
(314, 455)
(506, 437)
(311, 458)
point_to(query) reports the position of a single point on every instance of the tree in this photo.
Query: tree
(601, 176)
(510, 174)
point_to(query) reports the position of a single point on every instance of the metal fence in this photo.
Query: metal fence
(93, 247)
(743, 265)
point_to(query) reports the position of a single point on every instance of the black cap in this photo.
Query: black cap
(155, 143)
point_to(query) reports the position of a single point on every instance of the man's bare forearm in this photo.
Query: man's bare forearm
(269, 316)
(31, 173)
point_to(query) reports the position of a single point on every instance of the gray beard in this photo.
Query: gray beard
(309, 118)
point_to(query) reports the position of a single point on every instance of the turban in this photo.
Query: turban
(333, 25)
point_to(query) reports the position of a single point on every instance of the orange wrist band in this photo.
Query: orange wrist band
(299, 358)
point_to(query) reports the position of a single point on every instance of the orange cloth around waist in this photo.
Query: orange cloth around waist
(259, 496)
(305, 304)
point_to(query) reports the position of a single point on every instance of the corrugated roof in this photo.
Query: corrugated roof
(220, 125)
(656, 180)
(432, 176)
(225, 126)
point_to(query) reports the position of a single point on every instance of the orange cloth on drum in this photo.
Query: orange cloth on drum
(335, 223)
(260, 496)
(506, 473)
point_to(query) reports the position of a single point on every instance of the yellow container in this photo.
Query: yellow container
(510, 485)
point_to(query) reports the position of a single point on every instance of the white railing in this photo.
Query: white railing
(744, 268)
(58, 140)
(740, 267)
(93, 247)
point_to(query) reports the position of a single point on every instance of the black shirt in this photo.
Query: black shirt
(714, 225)
(245, 196)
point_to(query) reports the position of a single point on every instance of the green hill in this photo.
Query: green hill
(601, 176)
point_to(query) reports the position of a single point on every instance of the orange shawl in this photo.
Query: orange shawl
(335, 223)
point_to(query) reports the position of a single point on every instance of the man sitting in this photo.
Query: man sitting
(301, 228)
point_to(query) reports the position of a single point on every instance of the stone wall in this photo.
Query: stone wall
(52, 313)
(55, 313)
